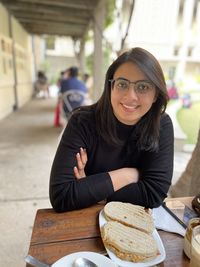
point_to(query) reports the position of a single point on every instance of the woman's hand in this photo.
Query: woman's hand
(81, 157)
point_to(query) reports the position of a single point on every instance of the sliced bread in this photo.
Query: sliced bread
(128, 243)
(131, 215)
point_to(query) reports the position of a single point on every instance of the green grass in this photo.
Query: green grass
(189, 120)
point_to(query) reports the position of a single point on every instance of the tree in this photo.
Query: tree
(189, 182)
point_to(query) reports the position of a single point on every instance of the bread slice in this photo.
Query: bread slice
(131, 215)
(128, 243)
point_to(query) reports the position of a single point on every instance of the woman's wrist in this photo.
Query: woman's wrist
(123, 177)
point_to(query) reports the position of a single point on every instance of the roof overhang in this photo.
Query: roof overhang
(53, 17)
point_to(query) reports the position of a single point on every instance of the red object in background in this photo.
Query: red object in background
(172, 92)
(57, 114)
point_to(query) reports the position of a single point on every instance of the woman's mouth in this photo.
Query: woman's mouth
(129, 108)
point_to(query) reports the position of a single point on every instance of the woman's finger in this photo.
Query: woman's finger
(81, 158)
(79, 162)
(76, 173)
(83, 155)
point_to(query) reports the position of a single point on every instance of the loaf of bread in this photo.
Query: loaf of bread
(128, 243)
(131, 215)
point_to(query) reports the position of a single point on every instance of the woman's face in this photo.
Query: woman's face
(129, 104)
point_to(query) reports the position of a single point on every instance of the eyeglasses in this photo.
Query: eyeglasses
(140, 87)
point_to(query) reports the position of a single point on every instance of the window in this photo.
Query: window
(180, 12)
(50, 42)
(194, 15)
(176, 50)
(171, 72)
(190, 49)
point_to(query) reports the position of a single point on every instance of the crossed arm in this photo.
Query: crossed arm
(120, 177)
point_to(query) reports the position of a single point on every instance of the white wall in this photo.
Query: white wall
(6, 66)
(18, 42)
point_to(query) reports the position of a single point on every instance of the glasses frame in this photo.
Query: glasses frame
(152, 86)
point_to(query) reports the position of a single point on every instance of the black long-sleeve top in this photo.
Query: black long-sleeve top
(69, 193)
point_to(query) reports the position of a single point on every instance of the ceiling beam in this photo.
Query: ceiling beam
(32, 16)
(53, 31)
(54, 25)
(78, 4)
(51, 10)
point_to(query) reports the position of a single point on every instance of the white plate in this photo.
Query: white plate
(97, 258)
(118, 261)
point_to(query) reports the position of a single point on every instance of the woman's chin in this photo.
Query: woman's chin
(128, 121)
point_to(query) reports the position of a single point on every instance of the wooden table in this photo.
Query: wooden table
(55, 235)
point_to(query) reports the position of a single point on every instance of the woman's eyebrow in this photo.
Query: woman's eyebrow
(122, 78)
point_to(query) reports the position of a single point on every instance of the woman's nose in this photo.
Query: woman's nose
(131, 93)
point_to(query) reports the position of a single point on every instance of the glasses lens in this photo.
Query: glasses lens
(121, 84)
(143, 87)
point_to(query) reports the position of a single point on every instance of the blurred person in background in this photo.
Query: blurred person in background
(61, 77)
(173, 91)
(186, 100)
(72, 91)
(41, 86)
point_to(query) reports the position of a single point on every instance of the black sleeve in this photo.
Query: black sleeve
(156, 172)
(67, 192)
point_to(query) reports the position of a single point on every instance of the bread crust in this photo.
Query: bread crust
(126, 256)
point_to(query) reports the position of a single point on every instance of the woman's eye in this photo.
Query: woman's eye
(122, 85)
(142, 87)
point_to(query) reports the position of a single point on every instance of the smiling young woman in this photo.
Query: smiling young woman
(121, 147)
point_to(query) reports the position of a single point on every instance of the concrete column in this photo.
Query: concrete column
(82, 58)
(34, 69)
(99, 19)
(15, 106)
(187, 20)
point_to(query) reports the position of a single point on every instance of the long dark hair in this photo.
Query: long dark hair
(147, 129)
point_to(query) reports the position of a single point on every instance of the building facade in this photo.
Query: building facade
(170, 30)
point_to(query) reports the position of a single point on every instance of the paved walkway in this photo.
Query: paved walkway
(172, 111)
(28, 142)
